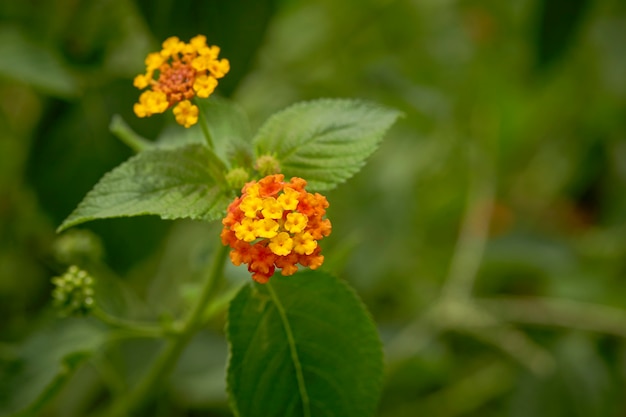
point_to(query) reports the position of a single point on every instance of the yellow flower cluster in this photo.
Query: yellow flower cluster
(177, 74)
(276, 224)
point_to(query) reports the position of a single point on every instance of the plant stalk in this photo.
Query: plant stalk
(168, 357)
(204, 125)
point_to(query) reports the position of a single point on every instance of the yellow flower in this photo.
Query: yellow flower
(266, 228)
(204, 86)
(198, 42)
(245, 230)
(151, 102)
(304, 244)
(172, 46)
(282, 244)
(295, 222)
(219, 68)
(250, 205)
(272, 208)
(186, 113)
(289, 199)
(153, 61)
(141, 81)
(177, 74)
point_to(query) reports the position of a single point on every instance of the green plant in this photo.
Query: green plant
(301, 344)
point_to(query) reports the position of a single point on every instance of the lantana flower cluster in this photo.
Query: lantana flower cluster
(177, 74)
(276, 224)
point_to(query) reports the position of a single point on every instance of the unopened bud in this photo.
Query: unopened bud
(74, 293)
(267, 165)
(237, 178)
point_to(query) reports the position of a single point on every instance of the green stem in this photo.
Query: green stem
(204, 125)
(124, 133)
(168, 357)
(144, 329)
(216, 165)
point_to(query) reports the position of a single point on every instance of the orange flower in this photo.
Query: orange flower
(183, 71)
(276, 224)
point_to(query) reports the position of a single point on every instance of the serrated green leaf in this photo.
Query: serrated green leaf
(302, 346)
(171, 183)
(324, 141)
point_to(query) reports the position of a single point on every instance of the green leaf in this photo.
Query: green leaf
(171, 183)
(230, 129)
(302, 346)
(324, 141)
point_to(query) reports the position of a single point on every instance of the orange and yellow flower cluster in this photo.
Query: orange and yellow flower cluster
(276, 224)
(177, 74)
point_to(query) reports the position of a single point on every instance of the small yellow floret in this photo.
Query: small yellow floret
(253, 190)
(282, 244)
(295, 222)
(202, 62)
(151, 102)
(153, 61)
(204, 85)
(304, 244)
(210, 51)
(186, 113)
(272, 208)
(289, 199)
(250, 206)
(141, 81)
(266, 228)
(219, 68)
(172, 46)
(245, 230)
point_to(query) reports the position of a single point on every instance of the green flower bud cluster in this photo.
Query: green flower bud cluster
(74, 293)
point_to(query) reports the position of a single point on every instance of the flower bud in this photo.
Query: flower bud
(267, 165)
(237, 178)
(73, 293)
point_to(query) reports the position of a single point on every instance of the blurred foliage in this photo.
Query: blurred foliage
(496, 199)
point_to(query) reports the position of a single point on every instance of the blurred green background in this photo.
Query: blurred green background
(487, 236)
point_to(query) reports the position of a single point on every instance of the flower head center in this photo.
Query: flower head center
(176, 81)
